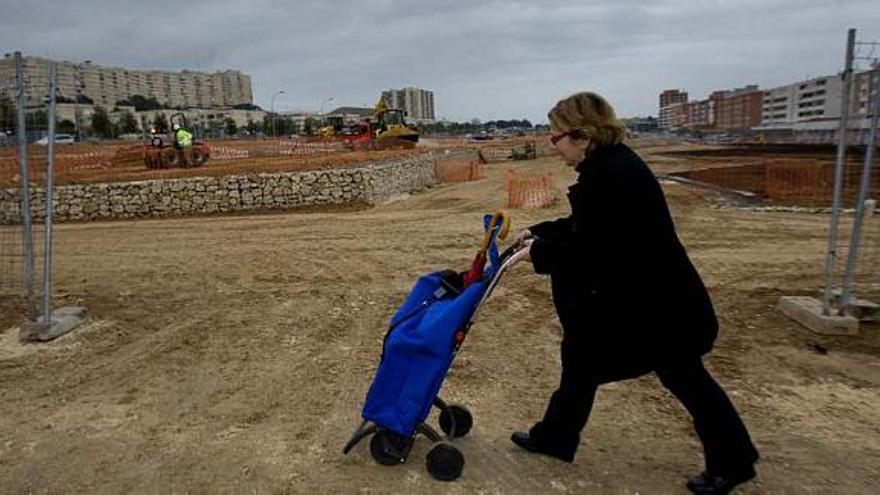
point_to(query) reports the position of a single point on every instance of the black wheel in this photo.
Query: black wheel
(386, 448)
(198, 157)
(170, 158)
(444, 461)
(463, 420)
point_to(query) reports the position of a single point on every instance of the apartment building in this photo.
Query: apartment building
(736, 110)
(812, 104)
(107, 85)
(866, 85)
(668, 113)
(417, 103)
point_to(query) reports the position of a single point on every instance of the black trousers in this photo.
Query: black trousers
(727, 447)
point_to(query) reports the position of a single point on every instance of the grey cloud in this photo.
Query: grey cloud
(497, 59)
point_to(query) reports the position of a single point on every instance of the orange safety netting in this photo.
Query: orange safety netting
(529, 190)
(798, 182)
(458, 170)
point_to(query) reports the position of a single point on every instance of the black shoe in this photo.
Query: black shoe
(712, 483)
(524, 440)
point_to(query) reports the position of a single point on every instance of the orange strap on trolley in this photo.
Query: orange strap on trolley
(476, 272)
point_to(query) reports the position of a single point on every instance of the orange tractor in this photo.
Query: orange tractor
(161, 154)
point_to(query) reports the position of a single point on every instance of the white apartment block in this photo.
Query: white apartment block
(107, 85)
(205, 117)
(417, 103)
(865, 85)
(815, 104)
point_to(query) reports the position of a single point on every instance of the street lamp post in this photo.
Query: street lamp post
(328, 100)
(279, 92)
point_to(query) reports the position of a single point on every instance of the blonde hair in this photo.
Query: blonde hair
(587, 115)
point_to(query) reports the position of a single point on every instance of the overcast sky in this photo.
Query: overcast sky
(490, 60)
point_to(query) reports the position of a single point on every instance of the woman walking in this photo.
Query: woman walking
(628, 297)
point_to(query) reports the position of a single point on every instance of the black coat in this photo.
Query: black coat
(627, 295)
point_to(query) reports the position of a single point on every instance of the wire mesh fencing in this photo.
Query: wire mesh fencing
(23, 162)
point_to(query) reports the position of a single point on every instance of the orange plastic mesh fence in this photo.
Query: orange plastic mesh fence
(458, 170)
(232, 150)
(66, 160)
(529, 190)
(784, 181)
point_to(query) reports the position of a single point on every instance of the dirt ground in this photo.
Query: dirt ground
(232, 355)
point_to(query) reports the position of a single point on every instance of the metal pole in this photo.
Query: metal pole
(25, 191)
(50, 178)
(280, 91)
(852, 256)
(831, 258)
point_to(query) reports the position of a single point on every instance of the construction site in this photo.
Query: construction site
(230, 342)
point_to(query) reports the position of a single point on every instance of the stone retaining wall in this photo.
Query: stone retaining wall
(369, 184)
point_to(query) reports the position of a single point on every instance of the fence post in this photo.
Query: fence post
(50, 171)
(831, 258)
(852, 256)
(27, 237)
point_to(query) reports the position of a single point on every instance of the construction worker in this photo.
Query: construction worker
(183, 141)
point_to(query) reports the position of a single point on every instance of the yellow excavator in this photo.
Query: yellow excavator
(391, 129)
(334, 125)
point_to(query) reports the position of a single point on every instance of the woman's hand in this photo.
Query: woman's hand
(522, 236)
(523, 253)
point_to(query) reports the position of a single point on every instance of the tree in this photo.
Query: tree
(140, 103)
(252, 127)
(101, 124)
(231, 127)
(37, 120)
(246, 106)
(127, 123)
(160, 123)
(7, 115)
(309, 126)
(276, 125)
(66, 127)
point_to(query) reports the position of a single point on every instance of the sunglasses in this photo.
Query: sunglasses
(556, 139)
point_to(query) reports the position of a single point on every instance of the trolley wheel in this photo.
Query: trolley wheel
(379, 451)
(444, 461)
(463, 420)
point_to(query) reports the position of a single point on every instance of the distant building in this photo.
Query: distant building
(696, 115)
(107, 85)
(674, 116)
(736, 110)
(417, 103)
(206, 118)
(728, 110)
(640, 124)
(866, 85)
(669, 98)
(815, 104)
(352, 114)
